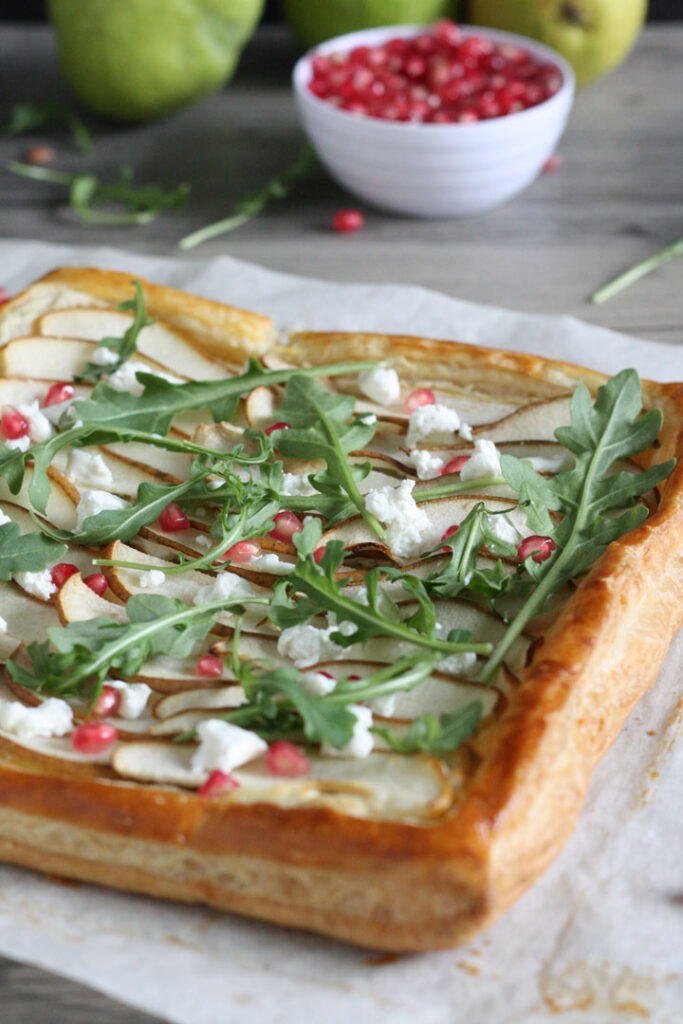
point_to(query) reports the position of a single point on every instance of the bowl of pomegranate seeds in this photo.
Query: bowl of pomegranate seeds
(437, 121)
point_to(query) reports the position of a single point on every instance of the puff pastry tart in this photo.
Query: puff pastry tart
(333, 637)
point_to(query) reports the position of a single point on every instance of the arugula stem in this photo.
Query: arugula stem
(349, 484)
(462, 487)
(388, 680)
(635, 273)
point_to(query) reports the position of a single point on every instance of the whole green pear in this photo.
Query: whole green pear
(313, 21)
(133, 60)
(593, 35)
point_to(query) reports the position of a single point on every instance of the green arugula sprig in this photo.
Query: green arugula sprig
(28, 118)
(124, 347)
(638, 271)
(428, 734)
(91, 199)
(28, 552)
(588, 496)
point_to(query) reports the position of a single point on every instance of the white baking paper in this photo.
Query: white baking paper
(598, 940)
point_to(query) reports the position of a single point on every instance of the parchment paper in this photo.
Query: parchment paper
(598, 940)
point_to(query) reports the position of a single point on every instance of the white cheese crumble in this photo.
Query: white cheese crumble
(103, 357)
(362, 741)
(223, 746)
(296, 484)
(84, 468)
(39, 584)
(551, 464)
(124, 378)
(3, 625)
(435, 423)
(397, 509)
(463, 664)
(317, 684)
(271, 563)
(53, 717)
(4, 519)
(55, 412)
(21, 443)
(91, 502)
(485, 461)
(39, 426)
(381, 385)
(511, 527)
(383, 706)
(308, 645)
(427, 465)
(134, 697)
(151, 578)
(226, 586)
(465, 431)
(202, 540)
(368, 418)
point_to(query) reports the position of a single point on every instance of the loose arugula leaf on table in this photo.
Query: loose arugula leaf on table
(638, 271)
(589, 495)
(27, 118)
(27, 552)
(312, 589)
(430, 735)
(87, 194)
(123, 347)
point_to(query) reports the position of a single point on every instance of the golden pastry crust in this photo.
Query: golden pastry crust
(382, 884)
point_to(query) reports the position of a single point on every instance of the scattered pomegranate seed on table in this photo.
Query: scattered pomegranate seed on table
(421, 396)
(58, 393)
(173, 519)
(61, 572)
(553, 163)
(539, 548)
(107, 703)
(4, 296)
(218, 783)
(210, 666)
(285, 759)
(39, 156)
(345, 221)
(455, 465)
(13, 424)
(286, 525)
(438, 77)
(97, 583)
(93, 737)
(243, 551)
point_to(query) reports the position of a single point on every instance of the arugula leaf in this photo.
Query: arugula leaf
(428, 734)
(473, 533)
(320, 427)
(638, 271)
(588, 496)
(124, 347)
(27, 118)
(28, 552)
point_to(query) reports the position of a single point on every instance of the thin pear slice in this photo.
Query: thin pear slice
(18, 317)
(159, 341)
(75, 555)
(19, 390)
(126, 476)
(172, 676)
(75, 602)
(27, 618)
(441, 696)
(49, 358)
(8, 646)
(535, 422)
(61, 504)
(205, 699)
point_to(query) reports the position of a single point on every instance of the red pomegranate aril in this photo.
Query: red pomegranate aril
(449, 533)
(97, 583)
(93, 737)
(217, 784)
(466, 117)
(61, 572)
(243, 551)
(319, 554)
(286, 760)
(539, 548)
(447, 33)
(173, 519)
(321, 65)
(13, 424)
(286, 525)
(553, 163)
(320, 88)
(277, 426)
(4, 296)
(455, 465)
(421, 396)
(210, 666)
(345, 221)
(108, 703)
(58, 393)
(39, 156)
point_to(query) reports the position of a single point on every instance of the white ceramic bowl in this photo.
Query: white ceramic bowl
(433, 170)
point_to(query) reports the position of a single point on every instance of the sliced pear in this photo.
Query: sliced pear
(27, 618)
(169, 466)
(18, 317)
(126, 476)
(61, 504)
(260, 408)
(48, 358)
(535, 422)
(75, 602)
(206, 699)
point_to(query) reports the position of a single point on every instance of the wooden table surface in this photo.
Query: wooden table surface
(617, 197)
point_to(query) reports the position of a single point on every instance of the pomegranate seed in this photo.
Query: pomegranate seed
(539, 548)
(421, 396)
(286, 760)
(61, 572)
(58, 393)
(243, 551)
(319, 554)
(217, 784)
(39, 155)
(467, 117)
(108, 702)
(455, 465)
(553, 163)
(447, 33)
(4, 296)
(353, 679)
(277, 426)
(93, 737)
(449, 533)
(210, 666)
(97, 582)
(286, 525)
(345, 221)
(13, 424)
(173, 519)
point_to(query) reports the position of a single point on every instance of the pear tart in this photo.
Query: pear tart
(394, 650)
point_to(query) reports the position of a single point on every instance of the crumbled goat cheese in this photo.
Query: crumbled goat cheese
(18, 443)
(39, 584)
(296, 484)
(368, 418)
(87, 469)
(397, 509)
(226, 586)
(151, 578)
(134, 697)
(381, 385)
(308, 645)
(463, 664)
(53, 717)
(3, 625)
(362, 741)
(504, 527)
(214, 482)
(317, 684)
(427, 464)
(223, 746)
(92, 502)
(124, 378)
(436, 423)
(55, 412)
(39, 426)
(465, 431)
(4, 519)
(552, 464)
(202, 540)
(103, 356)
(485, 461)
(271, 563)
(383, 706)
